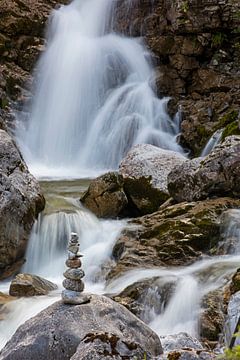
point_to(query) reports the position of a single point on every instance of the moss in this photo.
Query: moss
(227, 119)
(231, 129)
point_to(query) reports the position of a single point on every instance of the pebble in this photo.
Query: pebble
(74, 274)
(74, 297)
(75, 285)
(73, 264)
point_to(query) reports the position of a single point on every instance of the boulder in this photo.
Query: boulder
(30, 285)
(21, 202)
(144, 170)
(177, 235)
(179, 341)
(105, 196)
(101, 327)
(190, 354)
(216, 175)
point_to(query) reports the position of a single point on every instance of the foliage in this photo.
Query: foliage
(185, 6)
(218, 39)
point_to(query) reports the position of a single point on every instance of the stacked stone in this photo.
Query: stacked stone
(73, 284)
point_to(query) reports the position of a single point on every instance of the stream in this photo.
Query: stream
(92, 102)
(46, 257)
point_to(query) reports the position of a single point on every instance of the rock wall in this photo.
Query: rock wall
(21, 40)
(196, 53)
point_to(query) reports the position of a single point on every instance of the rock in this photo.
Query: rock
(232, 318)
(21, 202)
(74, 285)
(73, 264)
(196, 58)
(30, 285)
(179, 341)
(105, 196)
(144, 170)
(147, 297)
(215, 175)
(235, 282)
(107, 346)
(177, 235)
(74, 297)
(66, 332)
(190, 354)
(212, 317)
(74, 274)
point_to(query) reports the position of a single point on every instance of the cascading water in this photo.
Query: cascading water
(93, 100)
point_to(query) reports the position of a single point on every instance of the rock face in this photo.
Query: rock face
(105, 196)
(176, 235)
(21, 201)
(30, 285)
(216, 175)
(196, 56)
(144, 171)
(21, 41)
(101, 327)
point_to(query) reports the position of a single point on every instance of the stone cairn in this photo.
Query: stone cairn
(73, 284)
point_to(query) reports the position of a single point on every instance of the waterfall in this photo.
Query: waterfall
(93, 100)
(46, 252)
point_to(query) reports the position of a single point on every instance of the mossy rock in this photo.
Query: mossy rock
(231, 129)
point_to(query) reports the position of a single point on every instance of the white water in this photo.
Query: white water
(46, 253)
(212, 142)
(93, 100)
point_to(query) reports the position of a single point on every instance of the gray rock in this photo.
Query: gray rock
(74, 274)
(73, 264)
(74, 297)
(60, 331)
(73, 285)
(215, 175)
(105, 196)
(189, 354)
(144, 171)
(30, 285)
(179, 341)
(21, 201)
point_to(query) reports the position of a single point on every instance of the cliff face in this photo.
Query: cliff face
(21, 40)
(196, 48)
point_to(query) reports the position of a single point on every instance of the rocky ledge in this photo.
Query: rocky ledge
(21, 202)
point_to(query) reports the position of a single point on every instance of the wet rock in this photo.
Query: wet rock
(30, 285)
(180, 341)
(232, 318)
(144, 170)
(176, 235)
(63, 332)
(196, 56)
(105, 196)
(215, 175)
(235, 282)
(147, 297)
(21, 202)
(213, 316)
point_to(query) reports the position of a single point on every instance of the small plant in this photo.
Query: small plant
(185, 6)
(218, 39)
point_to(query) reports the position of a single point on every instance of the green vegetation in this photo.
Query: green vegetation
(185, 6)
(218, 39)
(231, 129)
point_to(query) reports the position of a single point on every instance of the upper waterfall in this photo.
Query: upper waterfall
(92, 100)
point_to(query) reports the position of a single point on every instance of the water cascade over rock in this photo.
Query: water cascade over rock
(93, 100)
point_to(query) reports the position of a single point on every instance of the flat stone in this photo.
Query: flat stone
(74, 274)
(73, 285)
(74, 297)
(73, 264)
